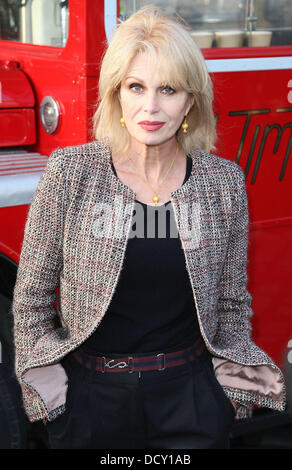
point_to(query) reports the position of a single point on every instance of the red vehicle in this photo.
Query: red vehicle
(50, 52)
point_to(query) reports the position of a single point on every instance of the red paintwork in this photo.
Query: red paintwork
(17, 114)
(12, 222)
(16, 89)
(236, 52)
(70, 75)
(17, 127)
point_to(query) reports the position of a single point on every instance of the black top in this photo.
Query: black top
(153, 307)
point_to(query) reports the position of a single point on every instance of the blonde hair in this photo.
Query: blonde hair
(181, 63)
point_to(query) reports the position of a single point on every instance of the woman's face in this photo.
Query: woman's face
(152, 113)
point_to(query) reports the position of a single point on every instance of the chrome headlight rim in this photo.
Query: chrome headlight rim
(50, 128)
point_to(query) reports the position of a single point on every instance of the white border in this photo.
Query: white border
(246, 64)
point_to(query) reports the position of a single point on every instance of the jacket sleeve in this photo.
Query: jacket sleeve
(234, 303)
(254, 379)
(38, 273)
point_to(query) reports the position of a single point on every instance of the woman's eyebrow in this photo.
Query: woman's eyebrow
(135, 78)
(132, 77)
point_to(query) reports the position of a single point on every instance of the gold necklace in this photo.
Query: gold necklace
(155, 198)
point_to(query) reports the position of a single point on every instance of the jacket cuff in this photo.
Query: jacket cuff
(262, 385)
(33, 408)
(244, 410)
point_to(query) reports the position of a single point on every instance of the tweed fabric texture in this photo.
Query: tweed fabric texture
(69, 243)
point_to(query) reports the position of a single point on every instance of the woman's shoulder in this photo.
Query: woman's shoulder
(216, 167)
(81, 158)
(81, 152)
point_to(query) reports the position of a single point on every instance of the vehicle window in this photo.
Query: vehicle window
(43, 22)
(228, 23)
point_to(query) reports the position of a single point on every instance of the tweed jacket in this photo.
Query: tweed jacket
(75, 238)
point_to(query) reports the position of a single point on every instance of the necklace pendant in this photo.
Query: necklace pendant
(155, 200)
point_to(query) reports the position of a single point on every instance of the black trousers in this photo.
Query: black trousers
(182, 407)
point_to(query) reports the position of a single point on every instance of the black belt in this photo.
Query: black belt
(133, 363)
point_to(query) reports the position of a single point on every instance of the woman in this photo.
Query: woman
(146, 234)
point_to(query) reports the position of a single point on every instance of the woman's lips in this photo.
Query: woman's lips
(151, 125)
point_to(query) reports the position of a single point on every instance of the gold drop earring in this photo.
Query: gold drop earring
(185, 126)
(122, 121)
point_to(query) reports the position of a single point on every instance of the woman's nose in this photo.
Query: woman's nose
(151, 104)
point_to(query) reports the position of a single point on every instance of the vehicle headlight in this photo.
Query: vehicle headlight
(49, 114)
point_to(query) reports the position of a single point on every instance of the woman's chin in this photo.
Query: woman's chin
(152, 139)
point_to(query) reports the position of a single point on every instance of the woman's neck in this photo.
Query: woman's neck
(151, 161)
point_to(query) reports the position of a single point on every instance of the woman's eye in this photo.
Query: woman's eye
(135, 86)
(168, 90)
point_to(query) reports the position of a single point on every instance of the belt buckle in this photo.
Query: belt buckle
(161, 354)
(111, 365)
(130, 364)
